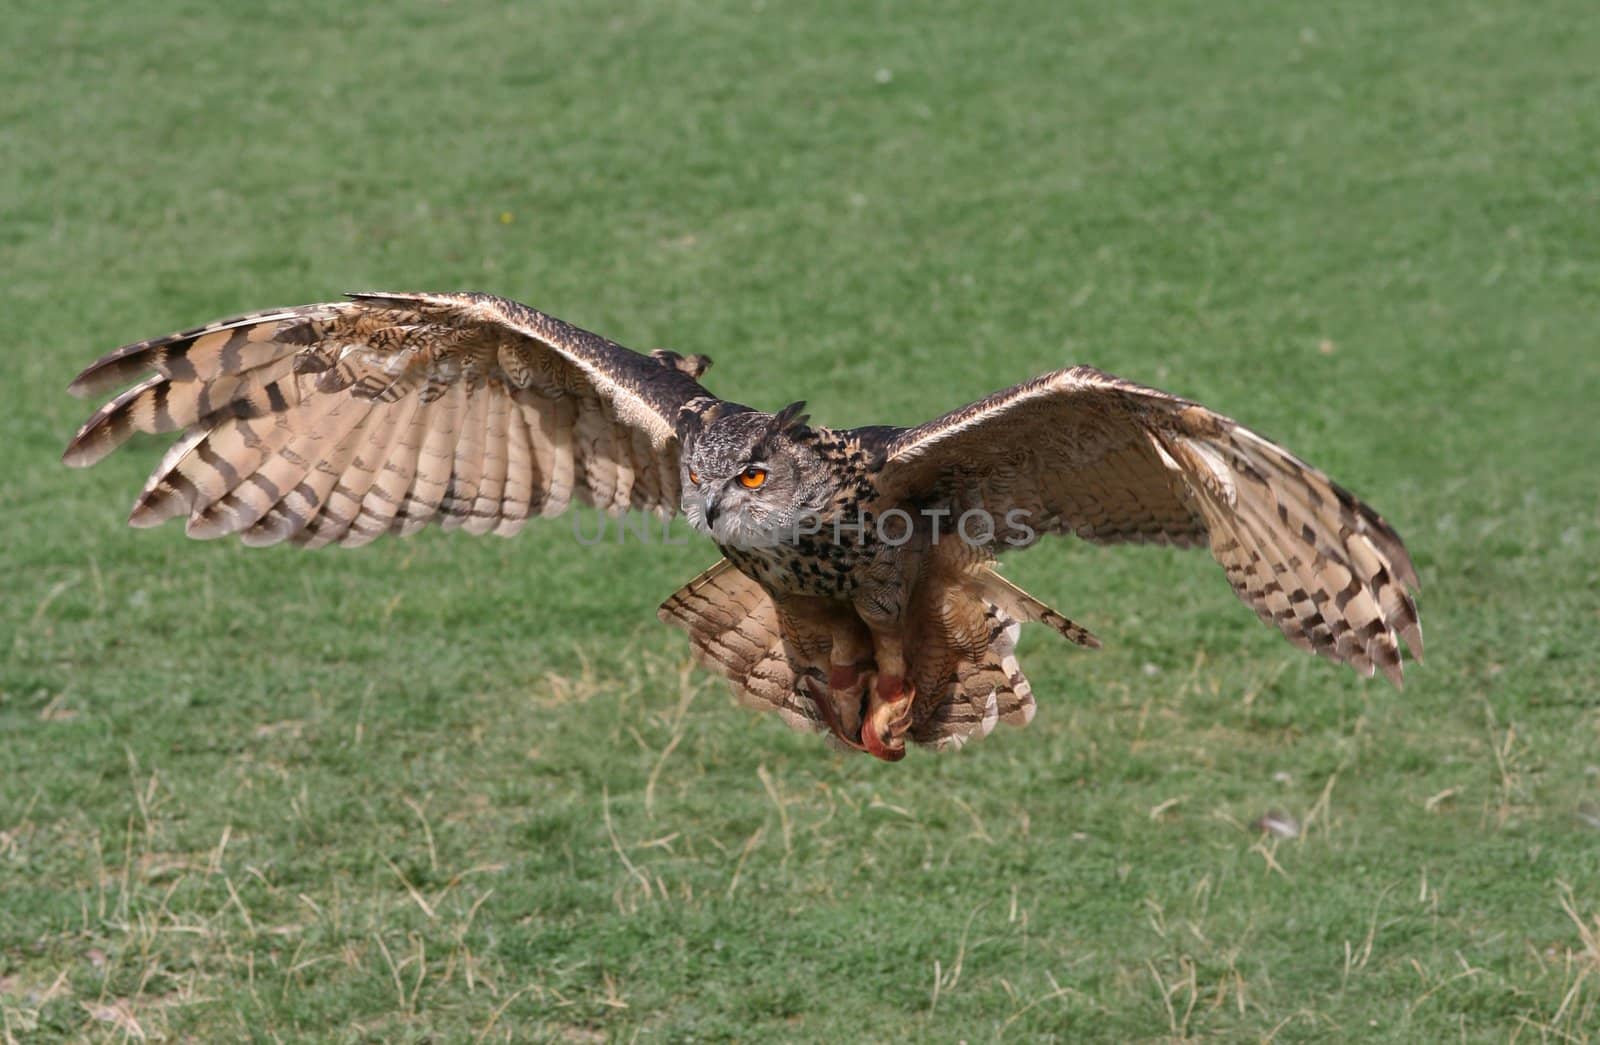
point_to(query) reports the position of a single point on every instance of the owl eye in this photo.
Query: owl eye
(753, 478)
(694, 477)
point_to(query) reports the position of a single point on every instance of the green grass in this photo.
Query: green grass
(450, 788)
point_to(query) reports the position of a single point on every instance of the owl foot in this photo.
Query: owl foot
(888, 718)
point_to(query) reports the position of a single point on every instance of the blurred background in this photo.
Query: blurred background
(448, 788)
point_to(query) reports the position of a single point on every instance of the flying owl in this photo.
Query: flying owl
(857, 594)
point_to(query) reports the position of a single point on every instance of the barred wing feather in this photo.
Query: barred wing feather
(339, 422)
(1080, 451)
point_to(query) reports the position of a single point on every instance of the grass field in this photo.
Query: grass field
(453, 789)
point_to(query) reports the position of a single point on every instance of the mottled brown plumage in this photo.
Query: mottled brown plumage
(856, 597)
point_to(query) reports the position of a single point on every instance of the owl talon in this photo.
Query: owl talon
(888, 719)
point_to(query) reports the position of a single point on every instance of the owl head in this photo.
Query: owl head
(751, 478)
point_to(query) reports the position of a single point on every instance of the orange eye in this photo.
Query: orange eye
(694, 477)
(752, 478)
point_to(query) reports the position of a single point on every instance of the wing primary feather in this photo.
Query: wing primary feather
(430, 477)
(307, 502)
(522, 476)
(227, 346)
(342, 507)
(484, 512)
(392, 474)
(298, 442)
(301, 472)
(551, 434)
(168, 493)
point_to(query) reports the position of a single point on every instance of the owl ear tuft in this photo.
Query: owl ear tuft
(698, 415)
(790, 421)
(689, 426)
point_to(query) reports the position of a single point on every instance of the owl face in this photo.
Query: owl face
(750, 478)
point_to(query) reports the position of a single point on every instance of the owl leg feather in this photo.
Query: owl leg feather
(829, 709)
(888, 715)
(849, 672)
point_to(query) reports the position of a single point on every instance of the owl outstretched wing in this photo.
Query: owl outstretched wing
(1080, 451)
(339, 422)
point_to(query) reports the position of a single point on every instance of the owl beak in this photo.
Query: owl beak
(708, 501)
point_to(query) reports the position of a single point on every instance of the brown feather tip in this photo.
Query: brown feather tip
(110, 371)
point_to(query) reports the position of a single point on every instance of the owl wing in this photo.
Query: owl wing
(1080, 451)
(339, 422)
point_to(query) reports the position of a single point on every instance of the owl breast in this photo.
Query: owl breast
(813, 564)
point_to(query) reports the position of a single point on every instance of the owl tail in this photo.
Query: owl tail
(964, 660)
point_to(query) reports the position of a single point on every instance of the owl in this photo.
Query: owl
(857, 594)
